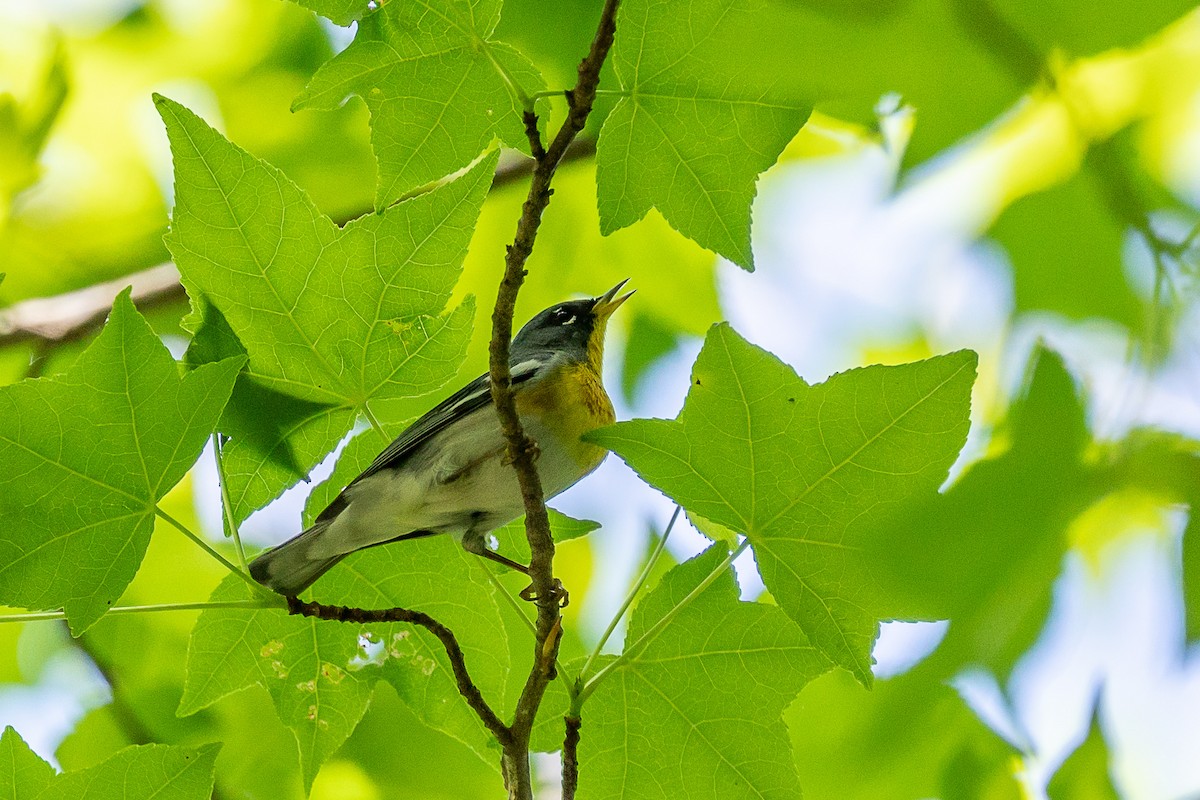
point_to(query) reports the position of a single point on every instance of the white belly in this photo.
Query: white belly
(458, 482)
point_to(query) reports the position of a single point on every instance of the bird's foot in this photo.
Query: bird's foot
(531, 449)
(558, 594)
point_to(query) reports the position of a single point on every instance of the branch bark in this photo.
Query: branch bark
(458, 663)
(570, 757)
(521, 449)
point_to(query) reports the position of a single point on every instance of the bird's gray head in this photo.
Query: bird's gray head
(574, 329)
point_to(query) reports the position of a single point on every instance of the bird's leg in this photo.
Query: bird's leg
(476, 544)
(532, 449)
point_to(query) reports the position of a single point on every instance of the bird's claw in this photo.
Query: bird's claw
(558, 594)
(531, 449)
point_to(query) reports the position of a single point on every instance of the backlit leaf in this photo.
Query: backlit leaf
(87, 455)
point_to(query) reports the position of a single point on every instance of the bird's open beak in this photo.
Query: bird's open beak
(608, 302)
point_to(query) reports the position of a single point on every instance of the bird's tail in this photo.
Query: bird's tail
(288, 569)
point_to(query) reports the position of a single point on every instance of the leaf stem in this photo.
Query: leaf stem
(206, 547)
(231, 528)
(38, 616)
(633, 592)
(657, 628)
(370, 415)
(514, 88)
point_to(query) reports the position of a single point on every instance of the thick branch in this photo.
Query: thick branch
(458, 663)
(521, 449)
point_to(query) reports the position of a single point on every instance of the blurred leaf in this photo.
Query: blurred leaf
(150, 771)
(320, 674)
(666, 724)
(649, 340)
(1191, 571)
(88, 455)
(697, 122)
(918, 49)
(1066, 246)
(911, 736)
(1001, 525)
(1085, 774)
(390, 728)
(1085, 28)
(803, 471)
(294, 288)
(25, 125)
(439, 89)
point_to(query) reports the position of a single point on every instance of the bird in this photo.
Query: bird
(448, 472)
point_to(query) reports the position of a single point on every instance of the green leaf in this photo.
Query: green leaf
(1066, 247)
(320, 674)
(135, 773)
(87, 456)
(1191, 571)
(649, 341)
(846, 55)
(439, 89)
(910, 736)
(805, 471)
(697, 712)
(333, 318)
(22, 773)
(971, 554)
(1085, 774)
(341, 12)
(698, 121)
(1085, 28)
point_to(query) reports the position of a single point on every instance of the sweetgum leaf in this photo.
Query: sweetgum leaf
(87, 456)
(22, 772)
(150, 771)
(332, 318)
(697, 712)
(439, 88)
(1002, 524)
(805, 471)
(320, 674)
(341, 12)
(697, 123)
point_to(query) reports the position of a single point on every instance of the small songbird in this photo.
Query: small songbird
(448, 472)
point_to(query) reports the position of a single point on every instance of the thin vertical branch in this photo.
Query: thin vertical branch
(570, 756)
(521, 449)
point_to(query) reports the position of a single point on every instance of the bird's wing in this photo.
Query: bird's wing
(473, 396)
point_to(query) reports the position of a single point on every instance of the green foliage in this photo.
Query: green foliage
(696, 711)
(911, 736)
(1059, 23)
(803, 470)
(1085, 773)
(79, 507)
(1041, 485)
(320, 674)
(697, 122)
(135, 773)
(439, 89)
(314, 321)
(334, 318)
